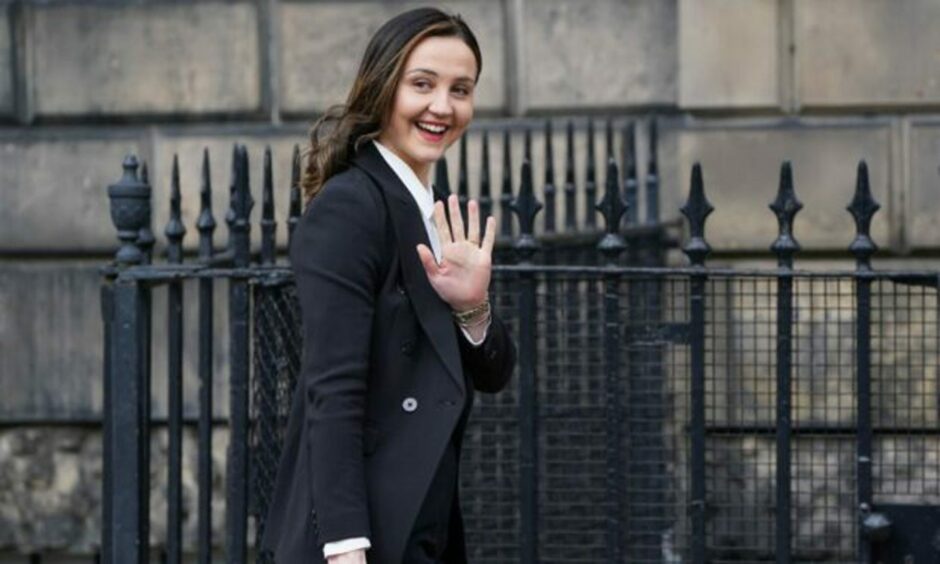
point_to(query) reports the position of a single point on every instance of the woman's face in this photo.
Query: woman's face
(433, 102)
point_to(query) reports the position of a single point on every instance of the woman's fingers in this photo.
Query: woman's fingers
(440, 221)
(489, 237)
(456, 221)
(473, 222)
(427, 259)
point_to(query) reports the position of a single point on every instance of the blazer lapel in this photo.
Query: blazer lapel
(433, 313)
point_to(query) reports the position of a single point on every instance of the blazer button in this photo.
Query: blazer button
(400, 288)
(409, 405)
(408, 347)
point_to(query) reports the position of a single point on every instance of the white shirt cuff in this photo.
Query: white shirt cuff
(345, 545)
(483, 338)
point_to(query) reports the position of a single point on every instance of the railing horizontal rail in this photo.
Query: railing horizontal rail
(279, 273)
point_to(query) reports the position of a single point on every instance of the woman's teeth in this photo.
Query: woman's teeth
(431, 128)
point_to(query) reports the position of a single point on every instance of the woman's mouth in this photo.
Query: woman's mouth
(432, 132)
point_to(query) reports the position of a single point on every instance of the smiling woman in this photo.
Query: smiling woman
(397, 325)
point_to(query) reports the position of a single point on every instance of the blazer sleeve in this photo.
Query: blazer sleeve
(336, 256)
(491, 363)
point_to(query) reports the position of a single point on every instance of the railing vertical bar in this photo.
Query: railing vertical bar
(268, 224)
(486, 198)
(146, 242)
(107, 489)
(590, 183)
(863, 207)
(463, 184)
(696, 210)
(629, 174)
(174, 233)
(125, 310)
(239, 334)
(442, 178)
(206, 225)
(785, 206)
(652, 176)
(549, 188)
(612, 246)
(526, 207)
(570, 189)
(129, 439)
(294, 211)
(505, 195)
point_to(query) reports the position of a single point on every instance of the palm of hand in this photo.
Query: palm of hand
(462, 278)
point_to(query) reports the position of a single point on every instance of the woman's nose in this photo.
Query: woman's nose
(441, 103)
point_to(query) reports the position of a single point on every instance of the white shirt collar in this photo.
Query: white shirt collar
(423, 195)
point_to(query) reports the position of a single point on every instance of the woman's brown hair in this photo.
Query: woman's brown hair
(338, 134)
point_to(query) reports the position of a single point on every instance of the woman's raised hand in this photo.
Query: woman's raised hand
(462, 279)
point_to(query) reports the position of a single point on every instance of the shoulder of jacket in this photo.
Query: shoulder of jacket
(353, 187)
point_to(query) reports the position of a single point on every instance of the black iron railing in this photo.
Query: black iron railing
(658, 414)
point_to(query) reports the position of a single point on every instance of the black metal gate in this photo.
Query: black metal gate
(658, 414)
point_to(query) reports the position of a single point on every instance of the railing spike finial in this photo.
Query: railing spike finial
(696, 210)
(505, 195)
(570, 189)
(526, 206)
(130, 211)
(785, 206)
(863, 207)
(293, 215)
(630, 184)
(612, 207)
(590, 184)
(146, 239)
(486, 199)
(205, 223)
(232, 192)
(243, 205)
(175, 230)
(268, 224)
(549, 189)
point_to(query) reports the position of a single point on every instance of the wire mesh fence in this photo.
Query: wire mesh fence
(582, 484)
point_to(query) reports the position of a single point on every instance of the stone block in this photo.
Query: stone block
(50, 340)
(52, 335)
(322, 44)
(7, 90)
(741, 168)
(728, 53)
(923, 230)
(34, 168)
(867, 53)
(54, 189)
(607, 53)
(166, 58)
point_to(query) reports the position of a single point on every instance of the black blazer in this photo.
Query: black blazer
(384, 372)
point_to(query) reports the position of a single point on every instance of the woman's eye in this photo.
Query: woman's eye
(461, 91)
(422, 85)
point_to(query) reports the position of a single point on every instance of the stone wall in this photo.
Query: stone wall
(738, 86)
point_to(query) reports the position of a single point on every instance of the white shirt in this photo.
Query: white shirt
(424, 198)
